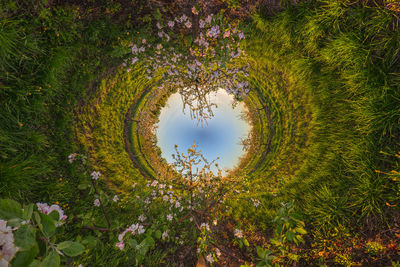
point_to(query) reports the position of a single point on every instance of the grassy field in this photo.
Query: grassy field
(325, 106)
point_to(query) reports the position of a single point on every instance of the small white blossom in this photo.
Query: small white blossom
(72, 157)
(97, 202)
(115, 198)
(238, 233)
(95, 175)
(164, 235)
(142, 218)
(169, 217)
(210, 258)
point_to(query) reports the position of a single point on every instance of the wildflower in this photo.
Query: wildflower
(218, 252)
(159, 46)
(142, 49)
(208, 19)
(206, 226)
(227, 34)
(129, 69)
(210, 258)
(241, 35)
(134, 60)
(140, 230)
(95, 175)
(160, 34)
(188, 24)
(134, 49)
(164, 235)
(154, 183)
(183, 18)
(97, 202)
(169, 217)
(72, 157)
(195, 11)
(115, 198)
(256, 202)
(46, 209)
(215, 222)
(238, 233)
(142, 218)
(120, 245)
(147, 201)
(177, 204)
(7, 246)
(165, 198)
(201, 24)
(171, 23)
(133, 185)
(158, 25)
(144, 41)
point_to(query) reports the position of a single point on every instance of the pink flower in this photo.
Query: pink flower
(97, 202)
(72, 157)
(227, 34)
(241, 35)
(120, 245)
(46, 209)
(158, 25)
(169, 217)
(201, 24)
(143, 41)
(208, 19)
(171, 23)
(159, 46)
(115, 198)
(134, 60)
(183, 18)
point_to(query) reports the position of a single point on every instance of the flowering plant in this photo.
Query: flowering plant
(198, 56)
(29, 232)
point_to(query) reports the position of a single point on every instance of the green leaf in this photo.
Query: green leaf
(52, 260)
(49, 225)
(300, 230)
(10, 209)
(158, 234)
(260, 252)
(71, 248)
(27, 212)
(290, 236)
(24, 258)
(82, 186)
(55, 215)
(246, 242)
(35, 263)
(24, 237)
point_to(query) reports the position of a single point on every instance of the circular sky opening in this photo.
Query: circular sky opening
(220, 137)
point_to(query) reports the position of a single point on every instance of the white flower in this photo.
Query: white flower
(46, 209)
(142, 218)
(241, 35)
(188, 24)
(210, 258)
(183, 18)
(97, 202)
(95, 175)
(169, 217)
(140, 230)
(206, 226)
(159, 46)
(218, 252)
(164, 235)
(158, 25)
(177, 204)
(238, 233)
(115, 198)
(134, 49)
(165, 198)
(201, 24)
(144, 41)
(171, 23)
(7, 246)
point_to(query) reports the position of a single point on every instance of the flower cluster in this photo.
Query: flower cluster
(197, 67)
(256, 202)
(72, 157)
(7, 246)
(46, 209)
(133, 229)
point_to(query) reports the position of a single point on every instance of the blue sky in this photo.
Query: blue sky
(219, 138)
